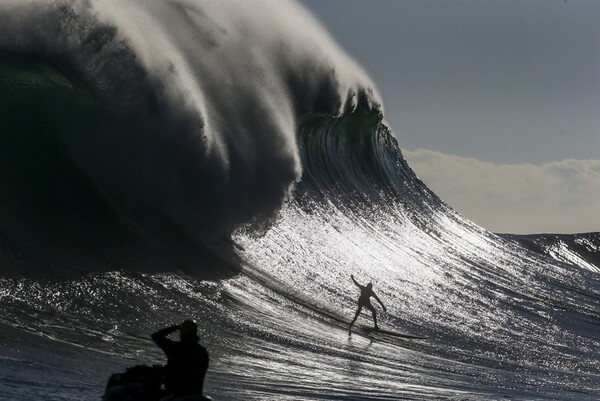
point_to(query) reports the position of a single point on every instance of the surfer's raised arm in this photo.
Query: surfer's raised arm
(355, 282)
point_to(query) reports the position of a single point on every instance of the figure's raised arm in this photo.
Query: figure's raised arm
(355, 282)
(160, 337)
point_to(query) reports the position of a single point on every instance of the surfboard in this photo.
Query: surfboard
(372, 331)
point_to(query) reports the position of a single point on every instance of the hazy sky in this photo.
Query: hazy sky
(506, 88)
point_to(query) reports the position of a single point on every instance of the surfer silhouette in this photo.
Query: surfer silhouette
(187, 360)
(366, 292)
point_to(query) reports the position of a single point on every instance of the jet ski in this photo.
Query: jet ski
(143, 383)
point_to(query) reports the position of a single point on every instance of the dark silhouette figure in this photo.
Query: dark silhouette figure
(366, 292)
(187, 360)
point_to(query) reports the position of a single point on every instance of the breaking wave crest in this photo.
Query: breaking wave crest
(170, 122)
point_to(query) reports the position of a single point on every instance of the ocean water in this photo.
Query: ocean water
(227, 162)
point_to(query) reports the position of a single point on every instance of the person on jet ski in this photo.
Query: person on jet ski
(187, 360)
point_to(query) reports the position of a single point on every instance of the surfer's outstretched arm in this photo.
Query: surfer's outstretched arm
(380, 303)
(355, 282)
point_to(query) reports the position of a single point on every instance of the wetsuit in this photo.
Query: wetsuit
(187, 362)
(364, 301)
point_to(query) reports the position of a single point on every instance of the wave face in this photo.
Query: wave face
(138, 126)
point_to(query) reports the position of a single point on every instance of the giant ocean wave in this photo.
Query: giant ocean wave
(178, 118)
(225, 161)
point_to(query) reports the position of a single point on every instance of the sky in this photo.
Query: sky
(495, 104)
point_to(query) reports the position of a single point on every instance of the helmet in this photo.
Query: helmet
(189, 327)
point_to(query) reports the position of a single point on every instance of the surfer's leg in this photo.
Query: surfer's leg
(374, 312)
(356, 315)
